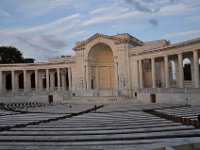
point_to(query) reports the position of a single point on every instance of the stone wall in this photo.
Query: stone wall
(171, 98)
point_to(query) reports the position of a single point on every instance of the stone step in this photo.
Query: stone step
(88, 128)
(96, 145)
(104, 137)
(93, 132)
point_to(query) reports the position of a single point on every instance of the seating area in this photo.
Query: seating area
(185, 115)
(22, 105)
(85, 126)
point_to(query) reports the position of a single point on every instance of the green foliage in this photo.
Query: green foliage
(9, 55)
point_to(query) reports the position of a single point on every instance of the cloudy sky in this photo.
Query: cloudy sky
(48, 28)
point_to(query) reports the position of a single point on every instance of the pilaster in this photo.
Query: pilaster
(141, 73)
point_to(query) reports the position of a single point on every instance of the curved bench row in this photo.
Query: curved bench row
(185, 115)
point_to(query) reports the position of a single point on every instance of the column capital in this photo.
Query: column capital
(180, 53)
(166, 55)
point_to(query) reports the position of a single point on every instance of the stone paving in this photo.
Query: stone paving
(73, 126)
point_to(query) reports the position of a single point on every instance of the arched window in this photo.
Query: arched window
(21, 81)
(187, 69)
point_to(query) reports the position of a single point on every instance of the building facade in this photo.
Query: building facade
(117, 65)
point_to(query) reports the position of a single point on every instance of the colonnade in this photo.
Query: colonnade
(37, 80)
(179, 68)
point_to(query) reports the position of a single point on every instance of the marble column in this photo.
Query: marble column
(47, 80)
(52, 80)
(141, 73)
(36, 81)
(180, 70)
(137, 75)
(63, 79)
(166, 71)
(70, 78)
(1, 82)
(153, 72)
(13, 80)
(116, 76)
(58, 78)
(25, 80)
(196, 69)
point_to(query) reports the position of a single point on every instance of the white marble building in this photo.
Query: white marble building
(117, 65)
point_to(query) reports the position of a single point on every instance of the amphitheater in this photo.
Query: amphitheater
(116, 92)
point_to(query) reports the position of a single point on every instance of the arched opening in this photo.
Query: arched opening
(21, 81)
(102, 67)
(33, 80)
(187, 69)
(8, 82)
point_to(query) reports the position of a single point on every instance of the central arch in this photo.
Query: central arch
(101, 61)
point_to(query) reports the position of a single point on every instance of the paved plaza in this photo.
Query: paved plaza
(36, 125)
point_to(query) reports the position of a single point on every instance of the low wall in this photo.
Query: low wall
(171, 98)
(57, 97)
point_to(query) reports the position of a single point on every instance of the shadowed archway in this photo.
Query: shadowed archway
(102, 67)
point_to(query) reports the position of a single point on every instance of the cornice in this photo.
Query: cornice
(117, 40)
(166, 48)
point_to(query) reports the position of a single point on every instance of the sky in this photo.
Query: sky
(43, 29)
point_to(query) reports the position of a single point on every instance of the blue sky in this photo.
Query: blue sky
(49, 28)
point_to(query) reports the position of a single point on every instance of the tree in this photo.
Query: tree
(9, 54)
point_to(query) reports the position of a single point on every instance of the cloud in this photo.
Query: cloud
(138, 6)
(34, 48)
(175, 9)
(42, 27)
(41, 7)
(193, 33)
(153, 22)
(4, 13)
(53, 41)
(103, 19)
